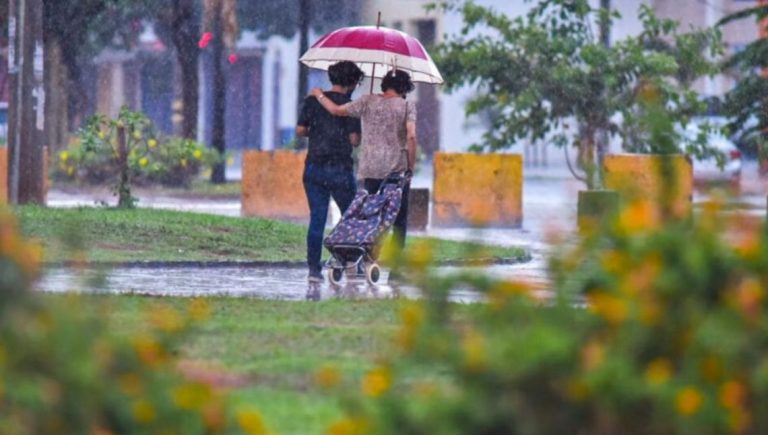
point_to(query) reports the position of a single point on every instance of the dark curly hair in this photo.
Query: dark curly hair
(344, 73)
(397, 80)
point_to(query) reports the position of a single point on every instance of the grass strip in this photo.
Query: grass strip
(143, 234)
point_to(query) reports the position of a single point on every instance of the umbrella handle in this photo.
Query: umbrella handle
(373, 69)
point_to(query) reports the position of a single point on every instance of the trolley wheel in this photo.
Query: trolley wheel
(372, 273)
(336, 275)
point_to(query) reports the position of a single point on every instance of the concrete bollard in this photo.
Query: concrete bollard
(272, 185)
(477, 189)
(638, 179)
(418, 209)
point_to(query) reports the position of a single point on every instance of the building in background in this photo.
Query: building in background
(262, 84)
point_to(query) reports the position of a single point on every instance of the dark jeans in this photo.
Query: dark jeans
(320, 184)
(401, 221)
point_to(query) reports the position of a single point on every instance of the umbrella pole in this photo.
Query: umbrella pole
(373, 69)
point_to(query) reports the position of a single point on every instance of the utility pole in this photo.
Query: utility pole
(305, 13)
(26, 180)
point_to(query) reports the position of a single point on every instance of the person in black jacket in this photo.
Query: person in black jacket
(328, 169)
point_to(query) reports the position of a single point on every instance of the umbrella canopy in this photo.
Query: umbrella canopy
(375, 50)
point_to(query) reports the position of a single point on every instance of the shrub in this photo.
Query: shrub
(653, 327)
(126, 151)
(63, 371)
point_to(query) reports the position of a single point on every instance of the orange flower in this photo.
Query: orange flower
(376, 382)
(592, 355)
(688, 401)
(609, 307)
(658, 371)
(327, 376)
(732, 394)
(638, 216)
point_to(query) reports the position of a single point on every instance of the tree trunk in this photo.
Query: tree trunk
(56, 97)
(219, 97)
(185, 33)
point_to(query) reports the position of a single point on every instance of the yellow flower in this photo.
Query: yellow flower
(420, 254)
(143, 162)
(166, 319)
(327, 376)
(191, 396)
(411, 317)
(137, 134)
(101, 135)
(658, 371)
(152, 143)
(143, 411)
(64, 156)
(376, 382)
(688, 401)
(197, 154)
(199, 310)
(348, 426)
(251, 422)
(475, 351)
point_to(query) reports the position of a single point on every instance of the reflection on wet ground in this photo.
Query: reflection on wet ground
(284, 283)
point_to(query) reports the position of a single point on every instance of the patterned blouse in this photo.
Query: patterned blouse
(383, 142)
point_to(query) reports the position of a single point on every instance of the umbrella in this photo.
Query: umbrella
(376, 50)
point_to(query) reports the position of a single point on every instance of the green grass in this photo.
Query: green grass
(277, 346)
(115, 235)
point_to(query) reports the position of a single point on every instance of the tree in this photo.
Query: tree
(747, 103)
(178, 21)
(74, 31)
(545, 76)
(286, 18)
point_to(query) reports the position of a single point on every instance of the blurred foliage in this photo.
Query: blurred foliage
(546, 76)
(96, 155)
(63, 371)
(745, 103)
(653, 323)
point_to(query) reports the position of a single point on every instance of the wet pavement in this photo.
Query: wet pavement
(283, 283)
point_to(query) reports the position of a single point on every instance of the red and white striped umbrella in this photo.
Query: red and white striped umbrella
(375, 50)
